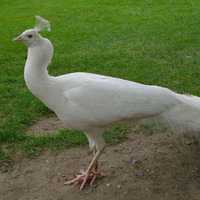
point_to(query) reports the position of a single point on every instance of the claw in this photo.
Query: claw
(91, 173)
(84, 177)
(93, 180)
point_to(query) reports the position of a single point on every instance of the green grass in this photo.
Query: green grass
(151, 42)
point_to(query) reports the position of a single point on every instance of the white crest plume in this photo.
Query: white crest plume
(41, 24)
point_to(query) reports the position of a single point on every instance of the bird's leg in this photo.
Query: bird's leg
(95, 167)
(90, 173)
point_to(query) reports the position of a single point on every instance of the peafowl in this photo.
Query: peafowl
(93, 103)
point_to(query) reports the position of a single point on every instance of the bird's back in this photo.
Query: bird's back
(94, 100)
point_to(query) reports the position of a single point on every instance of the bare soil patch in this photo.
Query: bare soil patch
(140, 168)
(45, 125)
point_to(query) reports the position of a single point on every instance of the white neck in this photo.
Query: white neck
(35, 73)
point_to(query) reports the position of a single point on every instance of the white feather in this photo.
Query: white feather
(41, 24)
(92, 103)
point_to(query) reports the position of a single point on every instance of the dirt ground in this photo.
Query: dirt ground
(143, 167)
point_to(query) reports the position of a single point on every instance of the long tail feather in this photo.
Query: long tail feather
(184, 118)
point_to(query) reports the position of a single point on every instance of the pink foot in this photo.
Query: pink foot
(84, 177)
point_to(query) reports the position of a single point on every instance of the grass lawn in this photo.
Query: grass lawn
(151, 42)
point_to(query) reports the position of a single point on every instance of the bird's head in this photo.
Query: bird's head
(31, 37)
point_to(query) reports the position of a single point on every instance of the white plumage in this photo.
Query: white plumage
(92, 103)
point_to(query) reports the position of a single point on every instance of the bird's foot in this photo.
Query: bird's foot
(84, 177)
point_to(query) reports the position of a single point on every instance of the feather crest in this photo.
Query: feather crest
(41, 24)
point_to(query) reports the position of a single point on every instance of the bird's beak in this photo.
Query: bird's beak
(19, 38)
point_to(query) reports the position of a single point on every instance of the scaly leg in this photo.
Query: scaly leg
(90, 173)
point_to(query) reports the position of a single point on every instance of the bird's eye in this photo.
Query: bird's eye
(30, 36)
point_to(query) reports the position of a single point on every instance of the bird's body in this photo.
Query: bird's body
(86, 101)
(92, 103)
